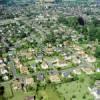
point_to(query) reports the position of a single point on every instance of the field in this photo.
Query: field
(19, 95)
(76, 90)
(48, 94)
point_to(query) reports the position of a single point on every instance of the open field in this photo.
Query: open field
(49, 94)
(76, 90)
(19, 95)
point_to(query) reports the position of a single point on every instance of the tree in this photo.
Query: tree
(97, 52)
(2, 91)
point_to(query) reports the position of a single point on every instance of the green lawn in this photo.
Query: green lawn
(8, 93)
(20, 95)
(49, 94)
(75, 90)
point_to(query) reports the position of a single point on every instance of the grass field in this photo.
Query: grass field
(20, 95)
(49, 94)
(8, 93)
(75, 90)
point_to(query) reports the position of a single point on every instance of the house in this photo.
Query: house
(33, 66)
(26, 53)
(54, 60)
(29, 55)
(24, 70)
(57, 49)
(49, 50)
(18, 64)
(81, 53)
(67, 57)
(76, 47)
(97, 69)
(60, 63)
(1, 61)
(28, 81)
(44, 65)
(54, 76)
(87, 70)
(76, 60)
(3, 71)
(50, 64)
(16, 60)
(66, 43)
(65, 74)
(90, 59)
(97, 83)
(95, 91)
(5, 77)
(16, 84)
(2, 65)
(40, 77)
(38, 59)
(77, 71)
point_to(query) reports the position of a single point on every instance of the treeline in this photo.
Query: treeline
(91, 30)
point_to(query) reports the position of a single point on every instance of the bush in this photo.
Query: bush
(84, 96)
(73, 96)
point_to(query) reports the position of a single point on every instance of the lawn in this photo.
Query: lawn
(8, 93)
(76, 90)
(20, 95)
(48, 94)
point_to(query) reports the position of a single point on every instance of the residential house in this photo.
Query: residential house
(90, 59)
(95, 91)
(44, 65)
(3, 71)
(50, 65)
(60, 63)
(2, 65)
(28, 81)
(33, 66)
(76, 60)
(38, 58)
(66, 43)
(65, 74)
(81, 53)
(67, 57)
(97, 69)
(40, 77)
(49, 50)
(5, 77)
(76, 47)
(16, 84)
(18, 64)
(77, 71)
(87, 70)
(1, 61)
(54, 76)
(24, 70)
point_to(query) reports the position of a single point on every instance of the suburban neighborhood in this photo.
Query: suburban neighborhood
(50, 50)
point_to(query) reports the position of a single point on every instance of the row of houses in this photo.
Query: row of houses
(4, 73)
